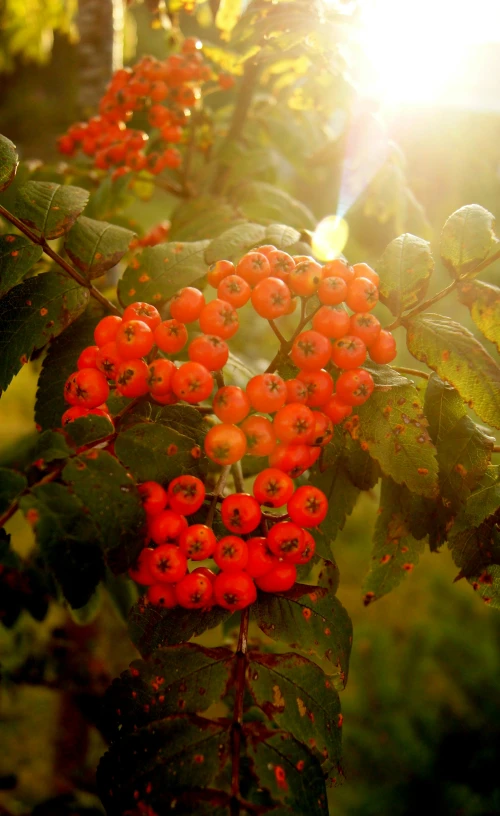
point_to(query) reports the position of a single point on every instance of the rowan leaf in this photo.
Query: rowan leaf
(455, 354)
(12, 485)
(89, 429)
(281, 236)
(476, 552)
(481, 503)
(17, 256)
(467, 238)
(341, 494)
(483, 302)
(309, 619)
(405, 269)
(69, 541)
(158, 272)
(235, 242)
(155, 452)
(48, 208)
(203, 217)
(111, 499)
(96, 246)
(295, 693)
(184, 419)
(9, 161)
(181, 679)
(50, 446)
(151, 627)
(31, 314)
(392, 428)
(263, 202)
(395, 550)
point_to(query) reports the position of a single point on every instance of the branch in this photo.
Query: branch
(236, 726)
(238, 477)
(277, 331)
(40, 241)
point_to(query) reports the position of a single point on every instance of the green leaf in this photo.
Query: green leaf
(481, 503)
(31, 314)
(203, 217)
(467, 239)
(341, 494)
(483, 301)
(95, 246)
(185, 419)
(405, 269)
(395, 550)
(392, 428)
(281, 236)
(50, 446)
(455, 354)
(262, 202)
(9, 161)
(68, 539)
(463, 447)
(12, 484)
(235, 242)
(50, 209)
(185, 679)
(17, 256)
(476, 552)
(60, 361)
(89, 429)
(309, 619)
(158, 272)
(151, 627)
(154, 452)
(111, 499)
(123, 593)
(297, 695)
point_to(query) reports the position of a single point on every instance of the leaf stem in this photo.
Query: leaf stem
(415, 372)
(401, 320)
(277, 331)
(40, 241)
(218, 491)
(236, 726)
(238, 477)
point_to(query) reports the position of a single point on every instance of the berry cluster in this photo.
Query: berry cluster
(163, 91)
(244, 558)
(287, 421)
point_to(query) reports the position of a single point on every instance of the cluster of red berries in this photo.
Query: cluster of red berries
(264, 561)
(163, 90)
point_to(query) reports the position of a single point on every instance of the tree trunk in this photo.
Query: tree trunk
(100, 26)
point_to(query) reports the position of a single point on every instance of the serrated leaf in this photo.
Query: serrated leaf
(89, 429)
(481, 503)
(95, 246)
(31, 314)
(60, 361)
(395, 550)
(50, 209)
(483, 301)
(151, 627)
(476, 552)
(156, 452)
(184, 419)
(111, 499)
(467, 239)
(9, 161)
(392, 428)
(263, 202)
(158, 272)
(234, 243)
(455, 354)
(12, 485)
(68, 539)
(50, 446)
(17, 256)
(163, 762)
(310, 620)
(186, 679)
(342, 496)
(297, 695)
(405, 269)
(281, 236)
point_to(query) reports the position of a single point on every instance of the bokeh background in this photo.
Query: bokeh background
(422, 706)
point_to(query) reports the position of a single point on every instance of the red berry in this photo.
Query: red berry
(106, 329)
(260, 436)
(273, 487)
(305, 278)
(198, 542)
(240, 513)
(355, 387)
(279, 579)
(231, 553)
(349, 352)
(186, 494)
(145, 312)
(338, 269)
(362, 295)
(162, 595)
(234, 290)
(383, 350)
(187, 304)
(292, 459)
(286, 538)
(267, 392)
(253, 267)
(192, 382)
(87, 358)
(160, 376)
(87, 388)
(218, 271)
(311, 351)
(260, 558)
(309, 550)
(132, 378)
(331, 321)
(134, 339)
(153, 496)
(218, 317)
(365, 326)
(108, 360)
(74, 413)
(234, 590)
(141, 572)
(362, 270)
(308, 506)
(281, 264)
(337, 410)
(332, 291)
(323, 429)
(225, 444)
(294, 424)
(296, 391)
(194, 591)
(168, 563)
(271, 298)
(319, 386)
(170, 336)
(210, 351)
(167, 527)
(231, 404)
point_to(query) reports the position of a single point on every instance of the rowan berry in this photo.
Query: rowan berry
(88, 357)
(167, 527)
(309, 551)
(266, 249)
(294, 423)
(218, 271)
(153, 496)
(280, 578)
(231, 404)
(253, 267)
(348, 352)
(210, 351)
(140, 572)
(134, 339)
(240, 513)
(271, 298)
(225, 444)
(160, 376)
(311, 351)
(308, 506)
(354, 387)
(323, 429)
(293, 460)
(296, 391)
(192, 382)
(167, 564)
(108, 360)
(234, 590)
(305, 278)
(144, 312)
(186, 494)
(267, 392)
(198, 542)
(260, 436)
(194, 591)
(362, 295)
(187, 304)
(162, 595)
(231, 553)
(170, 336)
(218, 317)
(260, 558)
(75, 412)
(87, 388)
(332, 291)
(272, 487)
(362, 270)
(383, 350)
(336, 409)
(281, 264)
(331, 321)
(285, 538)
(106, 329)
(338, 269)
(365, 326)
(234, 290)
(319, 385)
(208, 573)
(132, 378)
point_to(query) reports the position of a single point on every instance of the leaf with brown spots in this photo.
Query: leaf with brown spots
(395, 550)
(297, 695)
(392, 428)
(48, 208)
(182, 679)
(31, 314)
(476, 552)
(95, 246)
(455, 354)
(482, 502)
(17, 256)
(9, 161)
(151, 628)
(159, 272)
(157, 452)
(467, 238)
(405, 269)
(12, 484)
(483, 302)
(342, 496)
(309, 619)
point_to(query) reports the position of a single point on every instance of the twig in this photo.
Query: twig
(277, 331)
(238, 477)
(236, 726)
(40, 241)
(415, 372)
(218, 491)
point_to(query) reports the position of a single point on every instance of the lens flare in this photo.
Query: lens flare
(330, 238)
